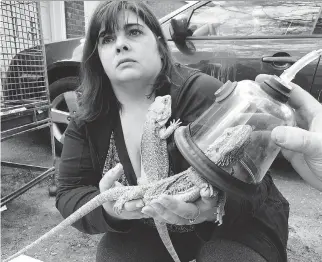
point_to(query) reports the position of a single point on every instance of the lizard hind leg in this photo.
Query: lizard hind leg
(221, 208)
(134, 193)
(211, 190)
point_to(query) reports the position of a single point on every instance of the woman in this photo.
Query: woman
(126, 64)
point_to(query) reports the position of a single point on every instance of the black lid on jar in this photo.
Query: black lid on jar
(277, 88)
(225, 90)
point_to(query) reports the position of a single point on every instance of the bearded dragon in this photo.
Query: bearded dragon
(154, 155)
(184, 186)
(154, 152)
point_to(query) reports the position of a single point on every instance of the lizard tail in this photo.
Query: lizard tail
(165, 237)
(78, 214)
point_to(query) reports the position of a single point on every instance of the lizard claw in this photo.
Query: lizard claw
(219, 215)
(220, 212)
(175, 124)
(118, 207)
(211, 191)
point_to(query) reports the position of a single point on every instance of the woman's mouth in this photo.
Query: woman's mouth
(126, 60)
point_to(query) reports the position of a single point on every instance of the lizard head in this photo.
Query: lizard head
(230, 145)
(160, 109)
(238, 134)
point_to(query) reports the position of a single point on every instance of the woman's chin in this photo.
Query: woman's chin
(129, 75)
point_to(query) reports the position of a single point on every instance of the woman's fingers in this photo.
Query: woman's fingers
(178, 212)
(136, 214)
(131, 209)
(160, 213)
(170, 210)
(179, 208)
(209, 196)
(110, 177)
(133, 205)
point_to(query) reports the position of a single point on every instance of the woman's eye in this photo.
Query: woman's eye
(135, 32)
(107, 39)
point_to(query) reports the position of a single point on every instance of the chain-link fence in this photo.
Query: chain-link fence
(25, 102)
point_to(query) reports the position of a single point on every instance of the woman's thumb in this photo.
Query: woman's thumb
(111, 177)
(298, 140)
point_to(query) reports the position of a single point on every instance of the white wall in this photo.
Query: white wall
(45, 20)
(58, 20)
(53, 20)
(89, 7)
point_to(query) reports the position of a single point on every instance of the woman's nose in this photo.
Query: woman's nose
(122, 45)
(122, 48)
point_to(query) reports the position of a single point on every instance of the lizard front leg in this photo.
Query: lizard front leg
(136, 192)
(164, 133)
(221, 195)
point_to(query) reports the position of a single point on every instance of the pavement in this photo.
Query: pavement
(34, 148)
(305, 223)
(31, 148)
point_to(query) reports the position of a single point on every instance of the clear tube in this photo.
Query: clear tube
(288, 75)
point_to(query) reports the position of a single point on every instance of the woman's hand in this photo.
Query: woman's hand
(169, 210)
(132, 209)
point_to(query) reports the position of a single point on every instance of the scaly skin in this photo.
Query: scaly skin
(229, 147)
(121, 195)
(184, 186)
(225, 152)
(154, 155)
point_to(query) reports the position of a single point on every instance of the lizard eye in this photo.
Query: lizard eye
(228, 134)
(217, 149)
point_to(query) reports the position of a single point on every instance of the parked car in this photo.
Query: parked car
(230, 40)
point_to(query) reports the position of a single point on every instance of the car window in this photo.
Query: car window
(318, 26)
(255, 18)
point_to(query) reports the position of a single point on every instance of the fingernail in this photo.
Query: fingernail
(156, 207)
(140, 204)
(278, 136)
(145, 211)
(119, 166)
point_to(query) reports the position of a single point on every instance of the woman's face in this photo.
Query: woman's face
(130, 53)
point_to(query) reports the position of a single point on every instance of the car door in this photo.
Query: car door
(238, 40)
(316, 90)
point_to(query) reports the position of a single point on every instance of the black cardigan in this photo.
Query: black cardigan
(86, 146)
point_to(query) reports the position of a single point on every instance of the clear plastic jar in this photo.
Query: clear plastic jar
(230, 144)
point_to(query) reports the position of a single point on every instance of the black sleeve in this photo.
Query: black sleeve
(78, 183)
(196, 97)
(189, 103)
